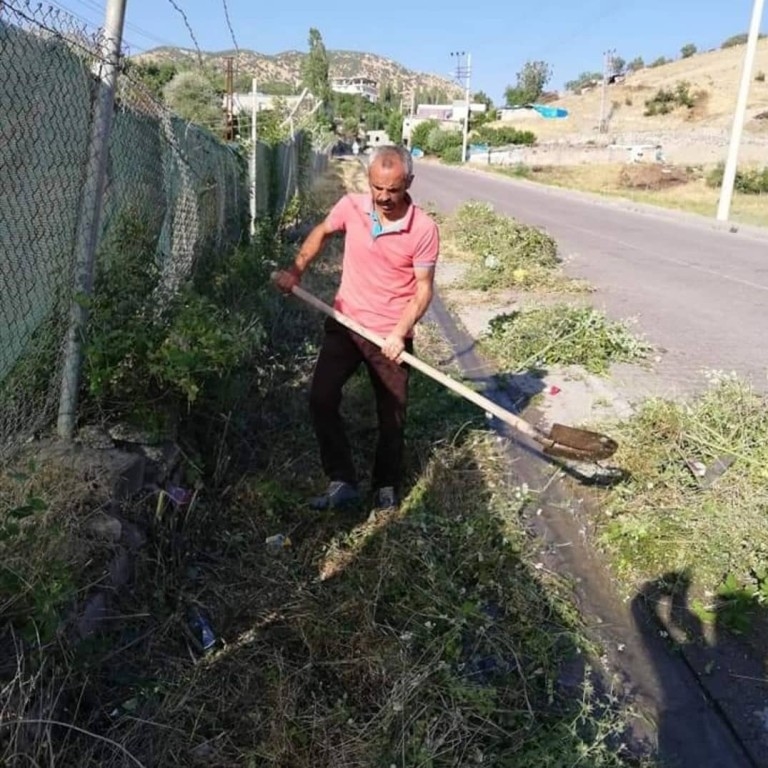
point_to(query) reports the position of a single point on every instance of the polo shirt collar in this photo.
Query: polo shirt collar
(402, 224)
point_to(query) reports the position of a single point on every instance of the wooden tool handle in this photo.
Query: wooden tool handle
(460, 389)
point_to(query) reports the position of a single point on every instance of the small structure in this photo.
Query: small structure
(377, 139)
(242, 103)
(356, 86)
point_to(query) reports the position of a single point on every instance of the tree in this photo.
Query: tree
(688, 50)
(420, 134)
(395, 127)
(482, 98)
(616, 65)
(154, 76)
(636, 64)
(193, 96)
(531, 81)
(316, 67)
(584, 80)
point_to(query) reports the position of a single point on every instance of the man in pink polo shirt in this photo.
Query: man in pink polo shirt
(390, 251)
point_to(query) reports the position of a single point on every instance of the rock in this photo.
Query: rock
(106, 527)
(95, 436)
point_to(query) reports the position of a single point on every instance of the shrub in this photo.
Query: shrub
(688, 50)
(665, 100)
(760, 76)
(451, 154)
(660, 62)
(420, 133)
(735, 40)
(750, 182)
(499, 137)
(440, 140)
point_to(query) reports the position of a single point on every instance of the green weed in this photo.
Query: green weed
(561, 335)
(502, 252)
(662, 519)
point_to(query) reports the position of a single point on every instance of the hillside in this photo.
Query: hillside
(286, 67)
(713, 76)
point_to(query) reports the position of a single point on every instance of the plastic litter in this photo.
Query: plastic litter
(278, 542)
(201, 629)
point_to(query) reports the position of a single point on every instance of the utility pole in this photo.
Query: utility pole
(608, 57)
(731, 165)
(464, 73)
(229, 87)
(106, 70)
(254, 151)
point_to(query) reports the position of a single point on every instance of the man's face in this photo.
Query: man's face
(389, 184)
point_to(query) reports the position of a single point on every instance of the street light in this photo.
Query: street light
(464, 73)
(729, 175)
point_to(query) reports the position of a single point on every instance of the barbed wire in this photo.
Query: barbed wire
(183, 15)
(229, 24)
(172, 180)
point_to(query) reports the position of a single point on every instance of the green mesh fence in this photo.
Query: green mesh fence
(188, 190)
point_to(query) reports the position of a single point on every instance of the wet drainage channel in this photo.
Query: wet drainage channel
(692, 723)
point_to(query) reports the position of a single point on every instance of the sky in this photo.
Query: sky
(500, 36)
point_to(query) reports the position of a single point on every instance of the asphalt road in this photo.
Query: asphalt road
(700, 293)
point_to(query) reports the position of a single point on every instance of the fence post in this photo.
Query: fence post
(253, 157)
(90, 213)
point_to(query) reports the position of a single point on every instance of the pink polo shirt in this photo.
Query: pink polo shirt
(377, 279)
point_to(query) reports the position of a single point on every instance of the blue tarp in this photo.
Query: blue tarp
(550, 113)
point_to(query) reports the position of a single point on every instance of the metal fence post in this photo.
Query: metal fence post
(90, 213)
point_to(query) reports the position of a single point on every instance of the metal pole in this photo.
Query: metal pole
(466, 116)
(603, 100)
(90, 213)
(254, 150)
(731, 165)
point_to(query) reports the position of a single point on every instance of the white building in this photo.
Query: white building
(242, 103)
(450, 117)
(356, 86)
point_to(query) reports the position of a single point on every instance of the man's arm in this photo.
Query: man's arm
(394, 344)
(311, 247)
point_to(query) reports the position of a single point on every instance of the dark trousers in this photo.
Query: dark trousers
(340, 356)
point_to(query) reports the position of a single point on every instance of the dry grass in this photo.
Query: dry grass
(692, 197)
(426, 637)
(717, 73)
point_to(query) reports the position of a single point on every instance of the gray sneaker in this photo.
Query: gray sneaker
(339, 494)
(385, 498)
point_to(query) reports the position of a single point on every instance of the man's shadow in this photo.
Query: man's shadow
(713, 707)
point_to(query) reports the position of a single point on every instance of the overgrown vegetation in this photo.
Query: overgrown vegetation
(696, 500)
(503, 136)
(422, 637)
(502, 252)
(667, 100)
(561, 334)
(752, 181)
(740, 39)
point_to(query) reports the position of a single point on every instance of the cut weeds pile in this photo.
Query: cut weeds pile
(426, 637)
(502, 253)
(695, 509)
(561, 334)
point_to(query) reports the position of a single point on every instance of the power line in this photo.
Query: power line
(139, 30)
(87, 21)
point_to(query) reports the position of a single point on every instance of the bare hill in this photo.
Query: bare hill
(713, 81)
(286, 67)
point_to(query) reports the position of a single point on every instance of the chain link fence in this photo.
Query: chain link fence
(169, 183)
